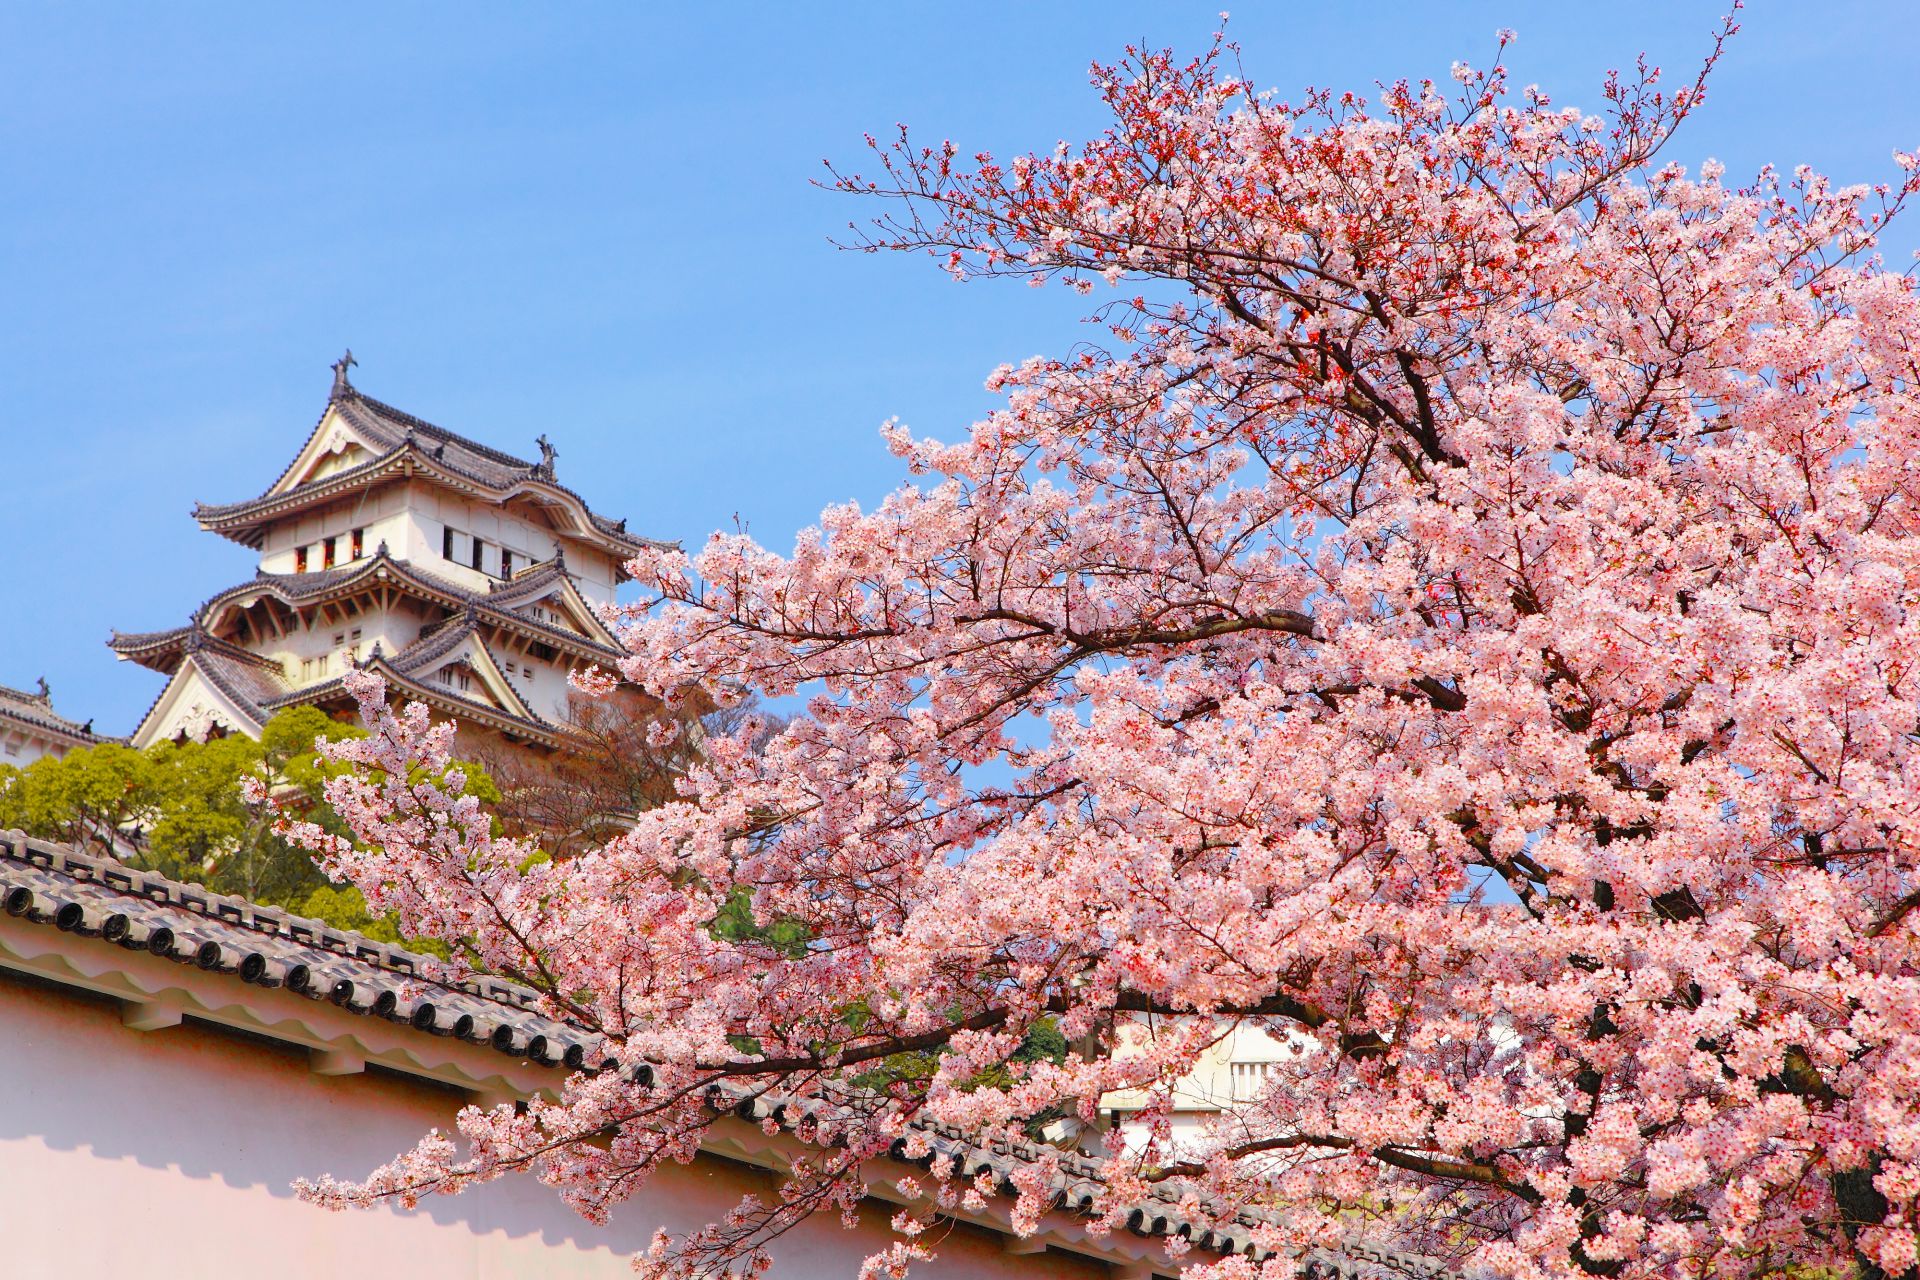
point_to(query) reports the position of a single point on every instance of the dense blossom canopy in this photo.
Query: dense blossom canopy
(1465, 623)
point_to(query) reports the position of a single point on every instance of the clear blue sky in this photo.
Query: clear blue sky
(596, 222)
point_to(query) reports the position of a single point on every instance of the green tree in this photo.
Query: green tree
(84, 799)
(177, 808)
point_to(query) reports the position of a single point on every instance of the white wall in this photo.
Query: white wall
(21, 746)
(1227, 1072)
(168, 1155)
(381, 512)
(392, 629)
(432, 509)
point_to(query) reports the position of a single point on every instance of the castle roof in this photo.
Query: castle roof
(34, 714)
(256, 686)
(403, 446)
(498, 606)
(406, 675)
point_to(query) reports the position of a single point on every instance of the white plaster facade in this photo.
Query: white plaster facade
(170, 1154)
(1232, 1070)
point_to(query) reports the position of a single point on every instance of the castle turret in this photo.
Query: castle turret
(470, 579)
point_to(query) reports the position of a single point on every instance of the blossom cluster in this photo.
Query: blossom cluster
(1466, 624)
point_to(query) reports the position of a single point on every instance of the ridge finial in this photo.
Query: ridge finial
(341, 384)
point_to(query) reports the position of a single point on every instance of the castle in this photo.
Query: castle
(469, 579)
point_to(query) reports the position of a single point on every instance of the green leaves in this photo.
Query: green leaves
(179, 807)
(735, 922)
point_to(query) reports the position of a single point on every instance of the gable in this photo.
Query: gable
(194, 705)
(563, 607)
(551, 611)
(468, 671)
(335, 445)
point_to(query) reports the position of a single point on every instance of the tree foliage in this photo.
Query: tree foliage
(178, 808)
(1466, 497)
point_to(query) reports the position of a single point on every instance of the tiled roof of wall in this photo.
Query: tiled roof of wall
(190, 924)
(112, 904)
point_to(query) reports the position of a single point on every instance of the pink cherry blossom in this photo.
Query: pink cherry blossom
(1466, 623)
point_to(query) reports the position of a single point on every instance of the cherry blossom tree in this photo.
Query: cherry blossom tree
(1463, 622)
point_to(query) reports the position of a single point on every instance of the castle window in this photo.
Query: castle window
(359, 543)
(1249, 1078)
(544, 652)
(506, 563)
(299, 559)
(326, 552)
(446, 542)
(479, 550)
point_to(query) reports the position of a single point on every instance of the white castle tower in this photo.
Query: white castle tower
(468, 578)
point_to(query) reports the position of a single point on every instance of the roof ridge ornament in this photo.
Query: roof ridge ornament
(342, 386)
(544, 467)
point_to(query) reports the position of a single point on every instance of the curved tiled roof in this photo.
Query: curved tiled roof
(131, 642)
(110, 904)
(395, 434)
(248, 679)
(162, 650)
(258, 686)
(35, 711)
(402, 681)
(218, 932)
(252, 683)
(298, 588)
(470, 457)
(434, 640)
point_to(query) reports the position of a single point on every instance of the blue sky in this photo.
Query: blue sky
(597, 222)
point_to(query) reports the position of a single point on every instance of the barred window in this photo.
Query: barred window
(1249, 1078)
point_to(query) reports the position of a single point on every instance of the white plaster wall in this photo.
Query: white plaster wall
(20, 747)
(409, 519)
(434, 509)
(1187, 1130)
(593, 574)
(168, 1155)
(1209, 1086)
(546, 690)
(1204, 1093)
(392, 629)
(381, 512)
